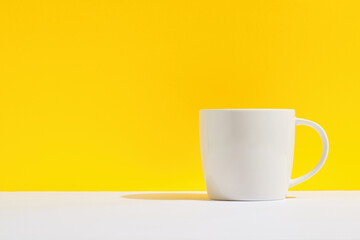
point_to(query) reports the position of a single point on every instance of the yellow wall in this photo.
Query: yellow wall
(104, 95)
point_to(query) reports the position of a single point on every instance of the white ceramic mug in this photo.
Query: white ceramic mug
(247, 154)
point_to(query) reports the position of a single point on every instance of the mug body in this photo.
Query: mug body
(247, 154)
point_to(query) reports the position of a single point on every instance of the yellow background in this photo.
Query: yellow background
(105, 95)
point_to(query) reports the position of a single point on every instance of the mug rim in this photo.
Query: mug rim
(249, 109)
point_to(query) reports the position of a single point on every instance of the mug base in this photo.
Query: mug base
(246, 199)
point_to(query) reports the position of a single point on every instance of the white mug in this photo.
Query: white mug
(247, 154)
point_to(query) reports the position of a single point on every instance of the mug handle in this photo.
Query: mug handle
(325, 150)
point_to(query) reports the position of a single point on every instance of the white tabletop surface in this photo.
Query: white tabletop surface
(176, 215)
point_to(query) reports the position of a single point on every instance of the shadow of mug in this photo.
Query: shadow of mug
(169, 196)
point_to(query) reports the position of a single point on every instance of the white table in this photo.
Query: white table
(176, 215)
